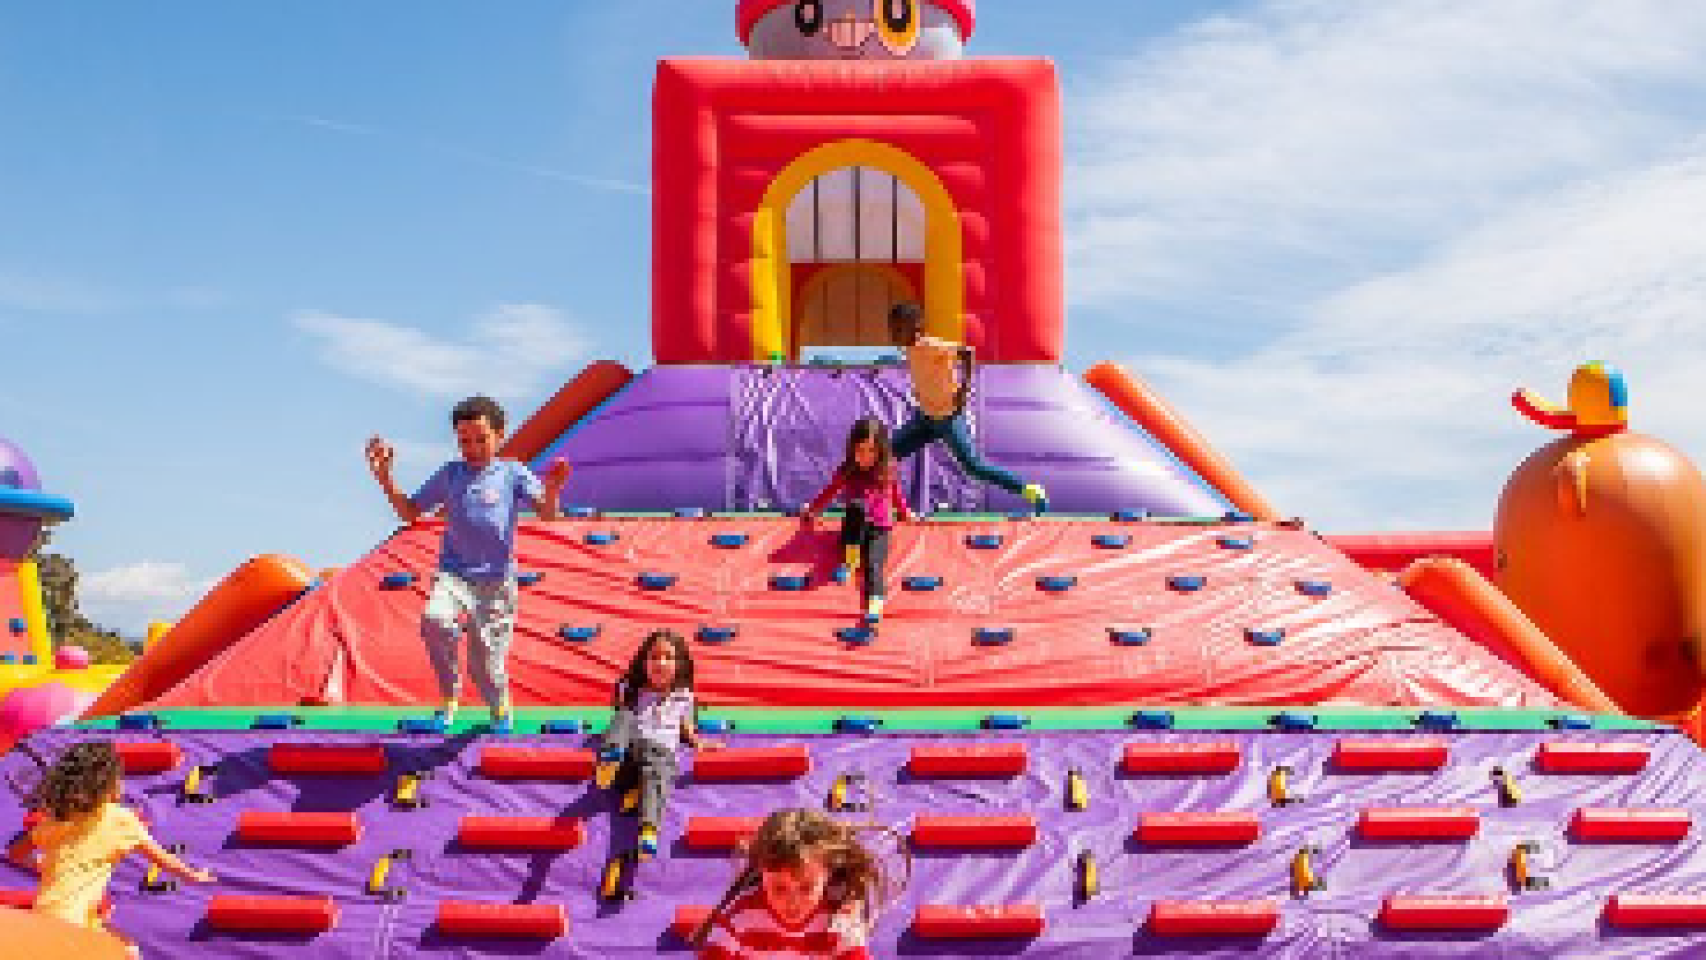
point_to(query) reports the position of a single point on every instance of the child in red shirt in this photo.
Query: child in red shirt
(866, 480)
(809, 890)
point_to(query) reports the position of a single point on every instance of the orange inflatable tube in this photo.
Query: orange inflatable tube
(1451, 590)
(241, 602)
(1392, 552)
(39, 937)
(1146, 408)
(591, 387)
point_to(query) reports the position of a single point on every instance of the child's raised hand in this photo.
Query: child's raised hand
(557, 475)
(200, 876)
(379, 457)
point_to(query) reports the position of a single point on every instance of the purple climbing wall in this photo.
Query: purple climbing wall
(724, 438)
(1563, 920)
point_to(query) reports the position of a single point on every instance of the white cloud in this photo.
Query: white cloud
(1397, 213)
(1343, 137)
(130, 597)
(508, 352)
(41, 293)
(1388, 406)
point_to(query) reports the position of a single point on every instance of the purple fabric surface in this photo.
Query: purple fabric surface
(661, 442)
(746, 438)
(790, 432)
(1562, 921)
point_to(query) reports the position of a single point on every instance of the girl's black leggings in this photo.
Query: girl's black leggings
(873, 542)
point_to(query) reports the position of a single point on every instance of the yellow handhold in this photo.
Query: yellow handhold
(1522, 873)
(1509, 793)
(1089, 879)
(381, 872)
(611, 887)
(1077, 791)
(1303, 876)
(1279, 787)
(409, 791)
(838, 794)
(191, 790)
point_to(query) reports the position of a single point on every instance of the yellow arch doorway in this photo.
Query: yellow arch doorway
(776, 326)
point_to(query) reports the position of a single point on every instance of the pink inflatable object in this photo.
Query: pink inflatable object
(71, 658)
(28, 709)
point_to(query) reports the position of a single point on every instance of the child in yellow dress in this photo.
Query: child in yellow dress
(83, 834)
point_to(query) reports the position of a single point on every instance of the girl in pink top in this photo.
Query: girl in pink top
(867, 482)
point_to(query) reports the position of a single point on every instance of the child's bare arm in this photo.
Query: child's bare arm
(21, 853)
(167, 861)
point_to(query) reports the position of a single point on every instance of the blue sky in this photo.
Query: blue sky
(238, 238)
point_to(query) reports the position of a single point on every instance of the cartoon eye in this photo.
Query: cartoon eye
(808, 16)
(898, 24)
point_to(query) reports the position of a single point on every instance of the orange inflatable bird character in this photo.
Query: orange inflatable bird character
(1601, 539)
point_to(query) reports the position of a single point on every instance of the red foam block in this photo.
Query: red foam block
(531, 921)
(520, 833)
(1407, 912)
(1418, 823)
(993, 760)
(974, 831)
(1638, 910)
(1014, 920)
(272, 914)
(1231, 829)
(1181, 758)
(1407, 753)
(1209, 918)
(1652, 824)
(1592, 757)
(719, 833)
(142, 757)
(535, 763)
(327, 758)
(687, 919)
(25, 899)
(752, 763)
(317, 830)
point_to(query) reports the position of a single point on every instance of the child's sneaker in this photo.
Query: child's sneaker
(1037, 497)
(630, 801)
(648, 841)
(609, 761)
(874, 611)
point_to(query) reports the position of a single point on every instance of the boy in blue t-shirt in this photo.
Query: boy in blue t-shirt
(480, 496)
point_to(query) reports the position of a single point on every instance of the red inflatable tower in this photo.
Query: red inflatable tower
(796, 200)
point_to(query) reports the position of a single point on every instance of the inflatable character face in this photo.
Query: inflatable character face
(858, 30)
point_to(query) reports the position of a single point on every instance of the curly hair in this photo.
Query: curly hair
(634, 678)
(83, 778)
(788, 838)
(479, 408)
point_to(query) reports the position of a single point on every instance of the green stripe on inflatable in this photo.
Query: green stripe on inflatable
(783, 721)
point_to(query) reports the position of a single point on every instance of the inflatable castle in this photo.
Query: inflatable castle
(1162, 718)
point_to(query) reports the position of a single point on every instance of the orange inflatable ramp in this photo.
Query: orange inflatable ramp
(244, 600)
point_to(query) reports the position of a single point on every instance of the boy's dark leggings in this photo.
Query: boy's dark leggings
(873, 542)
